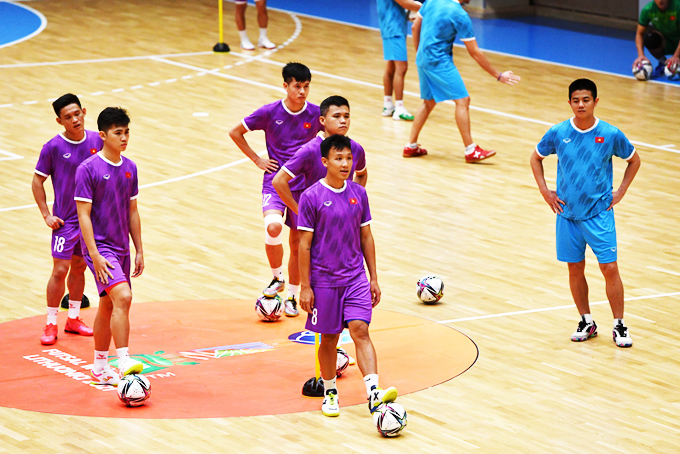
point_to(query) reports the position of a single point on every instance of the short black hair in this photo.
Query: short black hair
(63, 101)
(296, 71)
(335, 100)
(112, 117)
(583, 84)
(335, 141)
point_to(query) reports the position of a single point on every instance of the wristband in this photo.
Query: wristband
(499, 76)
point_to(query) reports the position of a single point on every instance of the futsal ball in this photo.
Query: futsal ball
(133, 390)
(430, 289)
(671, 70)
(343, 362)
(390, 419)
(643, 70)
(269, 309)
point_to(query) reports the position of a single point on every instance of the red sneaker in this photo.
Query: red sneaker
(77, 326)
(479, 155)
(414, 152)
(49, 336)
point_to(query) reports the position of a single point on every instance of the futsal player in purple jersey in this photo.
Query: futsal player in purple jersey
(335, 238)
(287, 124)
(306, 162)
(106, 196)
(59, 160)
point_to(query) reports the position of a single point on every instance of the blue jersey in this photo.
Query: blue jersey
(442, 21)
(392, 18)
(584, 165)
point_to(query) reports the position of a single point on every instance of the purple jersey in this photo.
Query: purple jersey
(285, 132)
(109, 188)
(306, 162)
(59, 159)
(336, 217)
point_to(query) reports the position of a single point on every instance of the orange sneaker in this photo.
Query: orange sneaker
(49, 336)
(414, 152)
(77, 326)
(479, 155)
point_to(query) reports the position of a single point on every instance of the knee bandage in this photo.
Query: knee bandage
(269, 220)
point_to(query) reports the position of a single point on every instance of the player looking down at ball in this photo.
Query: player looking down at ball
(658, 30)
(287, 124)
(335, 238)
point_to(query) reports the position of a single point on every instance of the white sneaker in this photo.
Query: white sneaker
(622, 336)
(331, 403)
(584, 331)
(247, 45)
(130, 366)
(107, 376)
(402, 115)
(275, 286)
(388, 111)
(265, 43)
(291, 309)
(381, 396)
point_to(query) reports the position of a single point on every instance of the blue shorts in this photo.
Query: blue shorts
(120, 271)
(394, 49)
(335, 307)
(441, 82)
(598, 232)
(66, 241)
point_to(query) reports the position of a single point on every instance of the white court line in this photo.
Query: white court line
(545, 309)
(43, 24)
(102, 60)
(9, 156)
(674, 273)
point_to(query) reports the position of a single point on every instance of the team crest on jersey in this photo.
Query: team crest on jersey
(308, 126)
(599, 139)
(93, 151)
(128, 175)
(278, 122)
(67, 155)
(107, 176)
(353, 201)
(327, 203)
(566, 140)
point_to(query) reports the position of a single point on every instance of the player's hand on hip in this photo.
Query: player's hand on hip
(639, 61)
(507, 77)
(268, 165)
(375, 293)
(616, 198)
(101, 268)
(53, 222)
(307, 299)
(139, 265)
(554, 201)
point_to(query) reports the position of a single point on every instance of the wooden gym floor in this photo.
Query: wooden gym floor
(484, 228)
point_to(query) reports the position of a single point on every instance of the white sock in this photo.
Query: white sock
(52, 315)
(244, 35)
(263, 33)
(101, 359)
(412, 146)
(293, 290)
(588, 318)
(123, 354)
(278, 272)
(388, 102)
(371, 381)
(73, 308)
(617, 321)
(470, 148)
(399, 104)
(329, 384)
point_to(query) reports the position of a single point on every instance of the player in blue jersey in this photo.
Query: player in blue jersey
(435, 29)
(584, 201)
(393, 18)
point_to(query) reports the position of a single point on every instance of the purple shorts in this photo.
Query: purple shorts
(66, 241)
(335, 307)
(272, 201)
(120, 271)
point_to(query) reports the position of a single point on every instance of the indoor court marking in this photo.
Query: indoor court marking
(208, 362)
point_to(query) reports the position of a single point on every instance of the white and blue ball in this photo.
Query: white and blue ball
(269, 309)
(133, 390)
(390, 419)
(642, 71)
(430, 289)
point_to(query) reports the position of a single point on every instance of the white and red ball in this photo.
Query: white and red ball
(642, 71)
(430, 289)
(390, 419)
(269, 309)
(343, 362)
(133, 390)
